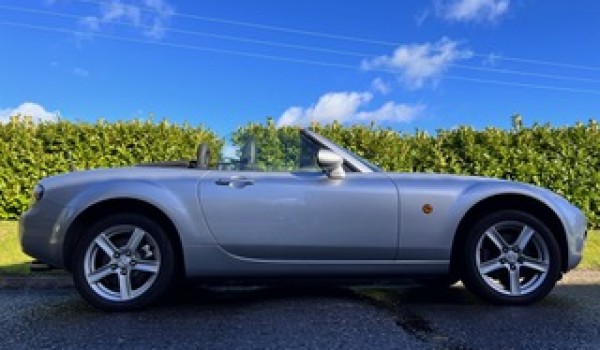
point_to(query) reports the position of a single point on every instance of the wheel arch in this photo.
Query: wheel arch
(111, 206)
(513, 201)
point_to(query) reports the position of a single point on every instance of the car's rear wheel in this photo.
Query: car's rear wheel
(123, 262)
(511, 257)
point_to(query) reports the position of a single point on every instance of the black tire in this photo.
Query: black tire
(157, 250)
(497, 283)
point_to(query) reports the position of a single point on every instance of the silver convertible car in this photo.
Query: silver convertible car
(310, 210)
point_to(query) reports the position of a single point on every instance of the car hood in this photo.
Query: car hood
(442, 177)
(461, 183)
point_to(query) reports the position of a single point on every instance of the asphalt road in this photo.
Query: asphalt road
(323, 318)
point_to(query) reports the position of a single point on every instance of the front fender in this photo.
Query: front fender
(484, 190)
(571, 218)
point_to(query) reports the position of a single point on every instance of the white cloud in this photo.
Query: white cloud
(380, 86)
(117, 10)
(28, 109)
(345, 107)
(418, 64)
(80, 72)
(472, 10)
(392, 112)
(331, 106)
(149, 16)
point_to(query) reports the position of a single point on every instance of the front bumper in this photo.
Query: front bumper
(41, 232)
(576, 236)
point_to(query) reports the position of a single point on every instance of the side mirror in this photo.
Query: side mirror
(331, 163)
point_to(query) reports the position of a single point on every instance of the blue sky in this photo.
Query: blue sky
(407, 64)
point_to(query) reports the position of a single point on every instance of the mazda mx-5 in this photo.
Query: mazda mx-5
(301, 209)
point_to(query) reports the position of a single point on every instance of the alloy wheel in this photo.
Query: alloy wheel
(512, 258)
(122, 262)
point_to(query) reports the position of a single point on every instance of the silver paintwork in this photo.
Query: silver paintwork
(239, 224)
(303, 216)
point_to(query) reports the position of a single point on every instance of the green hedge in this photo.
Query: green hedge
(30, 151)
(565, 159)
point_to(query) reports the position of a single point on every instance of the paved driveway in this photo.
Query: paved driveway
(324, 318)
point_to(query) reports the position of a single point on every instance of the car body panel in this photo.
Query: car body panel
(425, 235)
(303, 216)
(214, 262)
(172, 191)
(430, 236)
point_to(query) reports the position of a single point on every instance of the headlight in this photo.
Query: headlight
(38, 192)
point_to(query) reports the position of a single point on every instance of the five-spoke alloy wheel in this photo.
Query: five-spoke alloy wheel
(511, 257)
(123, 262)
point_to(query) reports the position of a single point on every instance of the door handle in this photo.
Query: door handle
(223, 182)
(234, 182)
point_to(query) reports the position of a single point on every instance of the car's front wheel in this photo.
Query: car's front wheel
(123, 262)
(511, 257)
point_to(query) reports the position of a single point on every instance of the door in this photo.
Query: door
(302, 214)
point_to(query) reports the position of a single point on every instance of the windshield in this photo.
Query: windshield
(352, 159)
(283, 150)
(365, 162)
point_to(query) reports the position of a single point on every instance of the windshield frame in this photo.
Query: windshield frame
(356, 162)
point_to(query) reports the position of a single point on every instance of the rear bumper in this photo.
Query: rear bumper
(41, 232)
